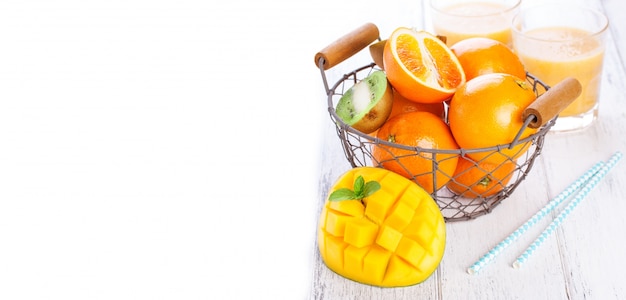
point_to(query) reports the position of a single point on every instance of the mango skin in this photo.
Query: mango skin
(395, 238)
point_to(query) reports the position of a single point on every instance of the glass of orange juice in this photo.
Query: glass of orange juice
(461, 19)
(557, 41)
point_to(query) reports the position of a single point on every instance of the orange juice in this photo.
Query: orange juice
(554, 53)
(471, 19)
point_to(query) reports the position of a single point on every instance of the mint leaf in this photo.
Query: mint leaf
(342, 194)
(361, 190)
(359, 184)
(370, 188)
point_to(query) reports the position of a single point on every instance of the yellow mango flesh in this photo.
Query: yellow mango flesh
(395, 237)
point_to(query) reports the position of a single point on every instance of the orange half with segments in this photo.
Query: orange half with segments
(421, 67)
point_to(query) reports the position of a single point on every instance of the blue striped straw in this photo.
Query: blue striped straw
(568, 209)
(495, 251)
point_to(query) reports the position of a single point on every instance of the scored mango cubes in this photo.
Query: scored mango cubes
(360, 232)
(393, 237)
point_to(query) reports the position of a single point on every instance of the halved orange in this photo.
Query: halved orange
(421, 67)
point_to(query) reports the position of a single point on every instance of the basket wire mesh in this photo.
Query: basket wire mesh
(358, 147)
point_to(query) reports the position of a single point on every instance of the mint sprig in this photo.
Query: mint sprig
(360, 190)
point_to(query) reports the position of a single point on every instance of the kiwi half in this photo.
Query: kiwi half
(367, 105)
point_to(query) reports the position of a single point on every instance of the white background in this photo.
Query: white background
(159, 149)
(163, 149)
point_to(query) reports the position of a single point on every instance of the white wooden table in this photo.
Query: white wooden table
(582, 260)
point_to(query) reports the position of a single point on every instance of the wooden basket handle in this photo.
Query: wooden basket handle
(552, 102)
(347, 45)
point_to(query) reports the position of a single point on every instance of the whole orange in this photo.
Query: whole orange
(420, 66)
(480, 179)
(487, 112)
(480, 55)
(426, 131)
(403, 105)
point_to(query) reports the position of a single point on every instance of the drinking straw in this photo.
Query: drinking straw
(495, 251)
(561, 217)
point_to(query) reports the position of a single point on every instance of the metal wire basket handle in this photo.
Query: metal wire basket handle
(552, 102)
(549, 105)
(346, 46)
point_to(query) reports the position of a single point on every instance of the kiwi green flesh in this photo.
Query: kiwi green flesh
(362, 97)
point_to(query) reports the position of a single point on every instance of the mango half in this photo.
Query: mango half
(391, 238)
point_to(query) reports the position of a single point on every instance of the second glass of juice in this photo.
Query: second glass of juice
(555, 42)
(461, 19)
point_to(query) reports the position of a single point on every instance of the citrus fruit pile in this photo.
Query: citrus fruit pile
(470, 96)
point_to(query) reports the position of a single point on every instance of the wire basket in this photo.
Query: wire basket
(358, 146)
